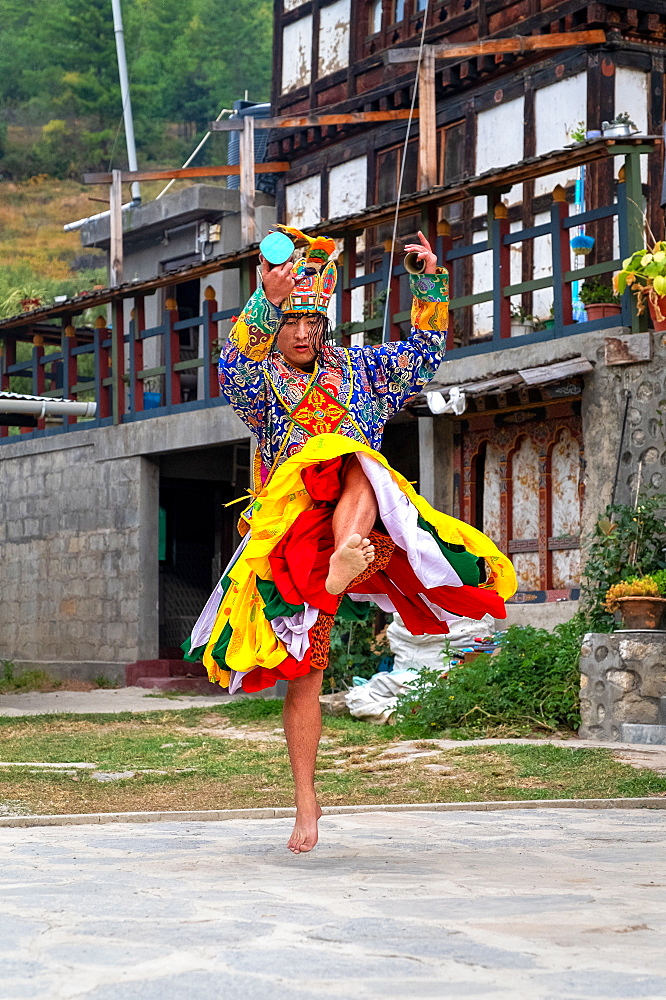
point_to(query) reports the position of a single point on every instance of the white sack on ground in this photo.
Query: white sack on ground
(376, 701)
(417, 651)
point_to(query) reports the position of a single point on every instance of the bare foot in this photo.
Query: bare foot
(305, 833)
(347, 562)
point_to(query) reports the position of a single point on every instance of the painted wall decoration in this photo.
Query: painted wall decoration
(521, 483)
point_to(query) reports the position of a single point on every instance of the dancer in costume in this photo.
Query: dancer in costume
(332, 527)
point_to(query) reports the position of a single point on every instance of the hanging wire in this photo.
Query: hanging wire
(387, 300)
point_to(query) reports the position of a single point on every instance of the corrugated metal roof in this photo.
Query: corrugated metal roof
(558, 371)
(38, 399)
(534, 166)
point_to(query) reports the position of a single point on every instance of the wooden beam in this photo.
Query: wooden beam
(246, 150)
(488, 46)
(312, 121)
(428, 126)
(116, 227)
(185, 173)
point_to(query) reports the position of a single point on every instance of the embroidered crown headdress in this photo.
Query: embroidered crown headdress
(315, 272)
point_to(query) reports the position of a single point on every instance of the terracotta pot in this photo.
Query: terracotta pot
(658, 324)
(598, 310)
(642, 612)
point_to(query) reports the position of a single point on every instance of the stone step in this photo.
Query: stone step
(162, 668)
(634, 732)
(190, 685)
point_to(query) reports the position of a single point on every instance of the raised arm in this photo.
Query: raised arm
(240, 372)
(400, 369)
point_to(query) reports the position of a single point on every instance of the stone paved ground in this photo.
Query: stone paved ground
(534, 905)
(129, 699)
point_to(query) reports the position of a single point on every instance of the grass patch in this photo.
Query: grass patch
(200, 758)
(12, 682)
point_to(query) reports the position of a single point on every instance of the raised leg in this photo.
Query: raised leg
(302, 728)
(353, 519)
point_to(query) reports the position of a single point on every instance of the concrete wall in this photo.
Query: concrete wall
(78, 541)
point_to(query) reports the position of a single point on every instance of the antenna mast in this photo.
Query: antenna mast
(125, 95)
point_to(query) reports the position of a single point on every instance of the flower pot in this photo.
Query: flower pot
(617, 131)
(658, 324)
(642, 612)
(598, 310)
(548, 324)
(151, 400)
(520, 329)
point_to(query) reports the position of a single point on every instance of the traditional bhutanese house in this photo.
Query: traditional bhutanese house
(553, 428)
(114, 528)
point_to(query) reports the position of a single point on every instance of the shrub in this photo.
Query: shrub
(593, 292)
(627, 542)
(533, 681)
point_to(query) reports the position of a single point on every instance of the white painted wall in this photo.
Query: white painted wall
(499, 135)
(291, 4)
(557, 110)
(304, 202)
(334, 37)
(482, 282)
(543, 298)
(499, 143)
(296, 54)
(347, 187)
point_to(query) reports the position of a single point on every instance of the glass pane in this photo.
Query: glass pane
(376, 17)
(454, 153)
(399, 11)
(387, 176)
(411, 165)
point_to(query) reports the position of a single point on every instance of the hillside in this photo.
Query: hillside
(38, 259)
(60, 107)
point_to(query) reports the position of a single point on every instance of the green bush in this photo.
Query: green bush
(533, 681)
(627, 542)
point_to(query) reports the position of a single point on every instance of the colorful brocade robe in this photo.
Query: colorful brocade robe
(354, 394)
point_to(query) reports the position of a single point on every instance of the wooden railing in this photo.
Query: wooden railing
(109, 365)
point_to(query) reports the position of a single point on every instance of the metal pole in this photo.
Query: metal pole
(248, 230)
(125, 95)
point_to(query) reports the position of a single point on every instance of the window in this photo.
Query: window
(452, 153)
(388, 165)
(398, 11)
(387, 179)
(375, 18)
(451, 163)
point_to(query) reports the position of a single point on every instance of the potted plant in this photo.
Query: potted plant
(152, 395)
(645, 273)
(640, 600)
(621, 125)
(549, 322)
(521, 321)
(600, 300)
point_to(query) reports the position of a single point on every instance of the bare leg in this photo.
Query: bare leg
(353, 518)
(302, 728)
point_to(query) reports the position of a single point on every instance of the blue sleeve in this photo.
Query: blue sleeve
(400, 369)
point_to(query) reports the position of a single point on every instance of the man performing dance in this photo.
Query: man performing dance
(332, 526)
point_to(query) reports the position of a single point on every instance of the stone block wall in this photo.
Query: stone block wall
(623, 682)
(79, 582)
(75, 534)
